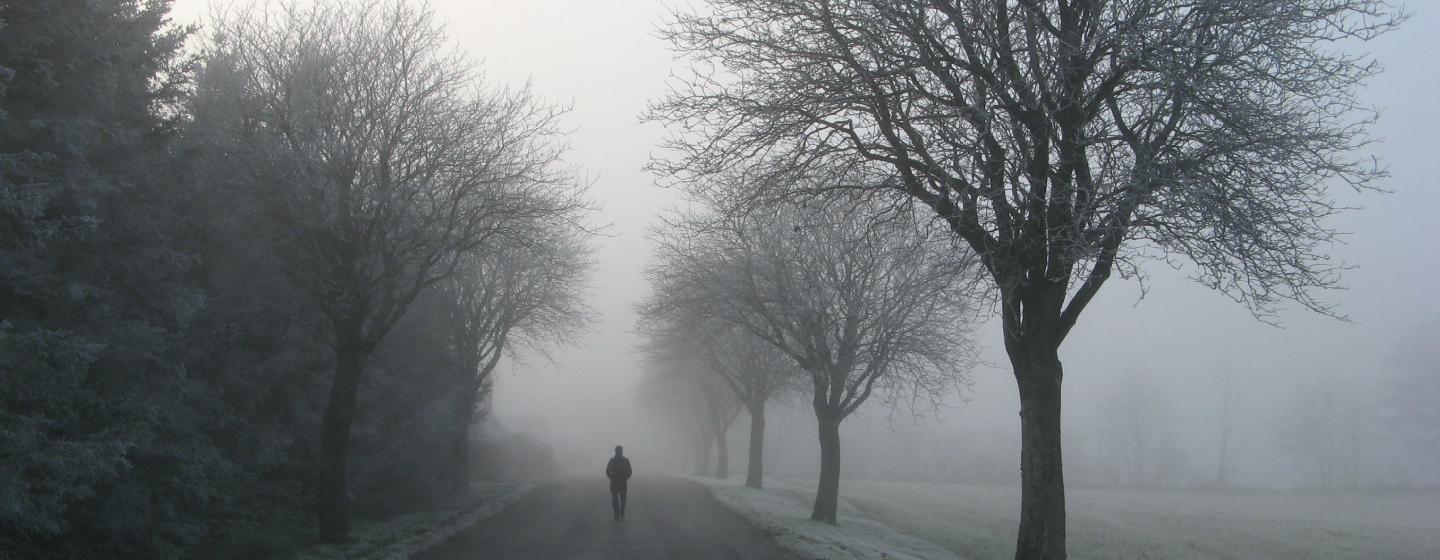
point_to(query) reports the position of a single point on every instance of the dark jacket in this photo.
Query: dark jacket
(618, 469)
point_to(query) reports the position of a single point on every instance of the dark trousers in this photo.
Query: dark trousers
(617, 497)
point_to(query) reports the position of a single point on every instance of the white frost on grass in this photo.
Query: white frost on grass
(979, 522)
(400, 537)
(783, 511)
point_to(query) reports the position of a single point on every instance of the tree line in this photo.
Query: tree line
(836, 301)
(1058, 143)
(261, 271)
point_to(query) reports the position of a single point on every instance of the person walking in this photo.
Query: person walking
(618, 470)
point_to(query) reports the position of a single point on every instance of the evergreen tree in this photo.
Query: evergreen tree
(101, 446)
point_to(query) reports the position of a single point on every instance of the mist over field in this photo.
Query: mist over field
(632, 255)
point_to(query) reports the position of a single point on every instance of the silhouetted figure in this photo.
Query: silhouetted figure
(619, 472)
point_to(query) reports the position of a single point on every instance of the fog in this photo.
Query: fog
(605, 59)
(362, 278)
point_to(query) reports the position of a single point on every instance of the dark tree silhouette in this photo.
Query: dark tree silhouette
(384, 160)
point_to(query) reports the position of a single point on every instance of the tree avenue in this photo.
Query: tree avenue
(755, 372)
(860, 301)
(385, 160)
(1060, 140)
(683, 386)
(752, 370)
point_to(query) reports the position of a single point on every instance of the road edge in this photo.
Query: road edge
(781, 512)
(403, 537)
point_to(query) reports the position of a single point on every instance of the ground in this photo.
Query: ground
(678, 518)
(979, 522)
(783, 510)
(401, 536)
(571, 519)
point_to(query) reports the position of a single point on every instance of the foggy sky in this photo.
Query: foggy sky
(603, 57)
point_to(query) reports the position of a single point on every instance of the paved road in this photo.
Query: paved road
(571, 519)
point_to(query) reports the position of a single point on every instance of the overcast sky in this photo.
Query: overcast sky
(602, 57)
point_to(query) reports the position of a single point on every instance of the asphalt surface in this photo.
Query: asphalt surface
(571, 519)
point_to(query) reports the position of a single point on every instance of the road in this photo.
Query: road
(570, 519)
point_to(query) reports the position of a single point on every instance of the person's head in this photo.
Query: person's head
(619, 451)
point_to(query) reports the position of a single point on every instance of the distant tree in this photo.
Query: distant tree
(1135, 417)
(384, 160)
(1413, 403)
(1307, 432)
(753, 370)
(1356, 413)
(527, 293)
(1323, 431)
(856, 300)
(721, 409)
(673, 406)
(1229, 447)
(1061, 141)
(680, 385)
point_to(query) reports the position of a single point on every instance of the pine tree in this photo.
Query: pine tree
(103, 449)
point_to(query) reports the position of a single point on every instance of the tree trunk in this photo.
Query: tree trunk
(1221, 471)
(702, 456)
(755, 470)
(722, 458)
(474, 375)
(1226, 396)
(827, 495)
(1042, 475)
(334, 495)
(464, 413)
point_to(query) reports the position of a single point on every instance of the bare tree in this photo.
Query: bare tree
(1135, 417)
(673, 406)
(1047, 134)
(1309, 432)
(1413, 405)
(859, 303)
(755, 371)
(697, 396)
(1229, 447)
(1323, 430)
(721, 409)
(752, 369)
(1354, 411)
(383, 159)
(526, 293)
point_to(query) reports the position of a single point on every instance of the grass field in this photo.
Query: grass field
(979, 522)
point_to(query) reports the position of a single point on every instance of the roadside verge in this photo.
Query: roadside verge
(783, 511)
(400, 537)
